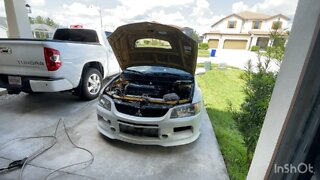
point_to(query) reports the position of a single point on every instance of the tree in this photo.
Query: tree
(195, 36)
(50, 22)
(257, 89)
(278, 38)
(43, 20)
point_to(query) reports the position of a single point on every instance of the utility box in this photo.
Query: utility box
(207, 65)
(213, 53)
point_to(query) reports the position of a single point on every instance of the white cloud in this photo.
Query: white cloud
(143, 5)
(78, 13)
(37, 3)
(196, 14)
(129, 9)
(79, 9)
(286, 7)
(167, 18)
(39, 12)
(201, 7)
(239, 6)
(203, 24)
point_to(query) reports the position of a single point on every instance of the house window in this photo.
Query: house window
(256, 24)
(276, 25)
(232, 24)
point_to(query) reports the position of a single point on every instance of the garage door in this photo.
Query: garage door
(213, 43)
(235, 44)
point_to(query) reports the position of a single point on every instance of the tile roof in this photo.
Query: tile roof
(252, 15)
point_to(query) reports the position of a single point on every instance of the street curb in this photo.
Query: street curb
(3, 91)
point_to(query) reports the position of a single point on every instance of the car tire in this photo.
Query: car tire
(90, 84)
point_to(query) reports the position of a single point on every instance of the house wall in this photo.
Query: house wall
(234, 37)
(246, 25)
(222, 38)
(210, 36)
(255, 39)
(267, 26)
(242, 26)
(223, 26)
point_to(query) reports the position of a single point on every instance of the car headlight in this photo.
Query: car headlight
(104, 102)
(186, 110)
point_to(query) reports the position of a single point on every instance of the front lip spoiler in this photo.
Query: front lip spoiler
(165, 125)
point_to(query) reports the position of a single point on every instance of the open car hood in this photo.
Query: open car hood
(134, 45)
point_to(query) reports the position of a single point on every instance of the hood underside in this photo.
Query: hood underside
(136, 45)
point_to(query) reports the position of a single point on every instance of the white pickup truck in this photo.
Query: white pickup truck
(75, 60)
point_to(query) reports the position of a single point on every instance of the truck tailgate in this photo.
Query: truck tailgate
(22, 57)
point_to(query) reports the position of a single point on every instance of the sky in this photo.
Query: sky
(197, 14)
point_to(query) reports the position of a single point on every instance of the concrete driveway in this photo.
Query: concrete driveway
(33, 115)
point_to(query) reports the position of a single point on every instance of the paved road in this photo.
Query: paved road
(33, 115)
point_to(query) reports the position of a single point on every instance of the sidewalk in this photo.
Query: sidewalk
(236, 58)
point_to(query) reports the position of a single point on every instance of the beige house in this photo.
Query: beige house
(244, 30)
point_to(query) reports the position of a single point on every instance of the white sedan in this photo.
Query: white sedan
(155, 100)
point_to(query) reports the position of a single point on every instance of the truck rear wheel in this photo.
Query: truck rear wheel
(91, 83)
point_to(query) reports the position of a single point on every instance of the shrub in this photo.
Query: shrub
(255, 48)
(258, 89)
(203, 46)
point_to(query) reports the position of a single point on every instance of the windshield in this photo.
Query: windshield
(158, 69)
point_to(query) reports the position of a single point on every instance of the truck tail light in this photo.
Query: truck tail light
(52, 57)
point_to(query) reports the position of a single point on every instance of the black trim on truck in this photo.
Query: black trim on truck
(49, 40)
(25, 82)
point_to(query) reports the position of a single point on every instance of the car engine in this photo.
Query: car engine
(149, 93)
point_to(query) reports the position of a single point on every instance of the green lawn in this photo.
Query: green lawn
(217, 87)
(203, 53)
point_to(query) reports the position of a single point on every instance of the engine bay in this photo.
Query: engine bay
(150, 92)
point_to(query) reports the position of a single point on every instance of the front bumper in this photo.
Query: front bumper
(161, 131)
(36, 84)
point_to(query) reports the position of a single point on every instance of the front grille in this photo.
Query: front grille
(140, 112)
(143, 130)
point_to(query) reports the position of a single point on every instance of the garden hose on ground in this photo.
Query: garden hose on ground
(23, 162)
